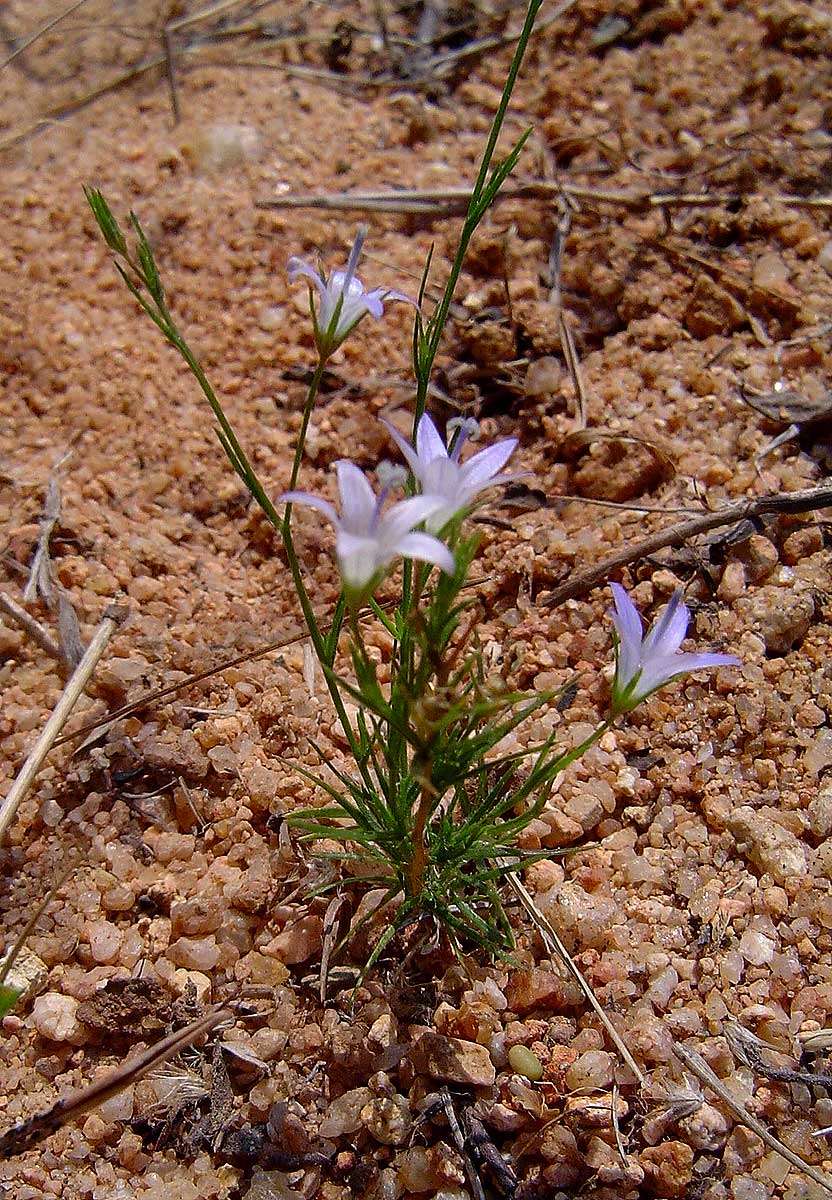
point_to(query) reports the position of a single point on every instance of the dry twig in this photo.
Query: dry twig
(19, 1137)
(570, 354)
(471, 1173)
(8, 958)
(448, 202)
(38, 33)
(676, 535)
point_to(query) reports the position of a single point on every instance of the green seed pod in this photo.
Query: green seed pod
(525, 1063)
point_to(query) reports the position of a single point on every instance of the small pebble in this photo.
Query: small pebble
(54, 1017)
(198, 954)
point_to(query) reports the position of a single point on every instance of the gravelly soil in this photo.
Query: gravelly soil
(705, 896)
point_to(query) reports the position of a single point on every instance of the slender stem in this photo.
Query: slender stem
(417, 867)
(311, 397)
(476, 210)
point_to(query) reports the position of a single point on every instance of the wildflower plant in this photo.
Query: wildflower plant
(432, 807)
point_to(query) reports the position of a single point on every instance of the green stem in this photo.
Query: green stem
(476, 209)
(311, 397)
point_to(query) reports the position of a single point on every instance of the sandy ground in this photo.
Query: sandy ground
(704, 902)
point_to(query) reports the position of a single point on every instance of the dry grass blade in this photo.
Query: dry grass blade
(38, 33)
(168, 45)
(40, 580)
(17, 1139)
(75, 686)
(566, 210)
(447, 202)
(695, 1063)
(330, 937)
(441, 63)
(555, 946)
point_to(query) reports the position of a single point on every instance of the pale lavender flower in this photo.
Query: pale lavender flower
(368, 539)
(645, 663)
(440, 474)
(343, 299)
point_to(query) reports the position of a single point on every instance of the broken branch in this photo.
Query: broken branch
(676, 535)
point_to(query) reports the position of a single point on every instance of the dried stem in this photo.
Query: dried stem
(555, 946)
(676, 535)
(448, 202)
(38, 33)
(15, 1140)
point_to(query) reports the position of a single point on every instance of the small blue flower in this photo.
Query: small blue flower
(440, 474)
(369, 539)
(645, 663)
(343, 299)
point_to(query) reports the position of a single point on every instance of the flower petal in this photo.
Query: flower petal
(391, 294)
(355, 252)
(482, 467)
(658, 671)
(402, 516)
(429, 444)
(670, 628)
(373, 302)
(358, 559)
(358, 500)
(310, 501)
(427, 549)
(299, 266)
(410, 455)
(447, 510)
(629, 629)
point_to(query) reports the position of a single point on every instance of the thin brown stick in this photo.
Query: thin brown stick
(77, 682)
(695, 1063)
(452, 201)
(17, 1139)
(156, 694)
(676, 535)
(622, 505)
(169, 46)
(42, 637)
(210, 10)
(441, 63)
(57, 112)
